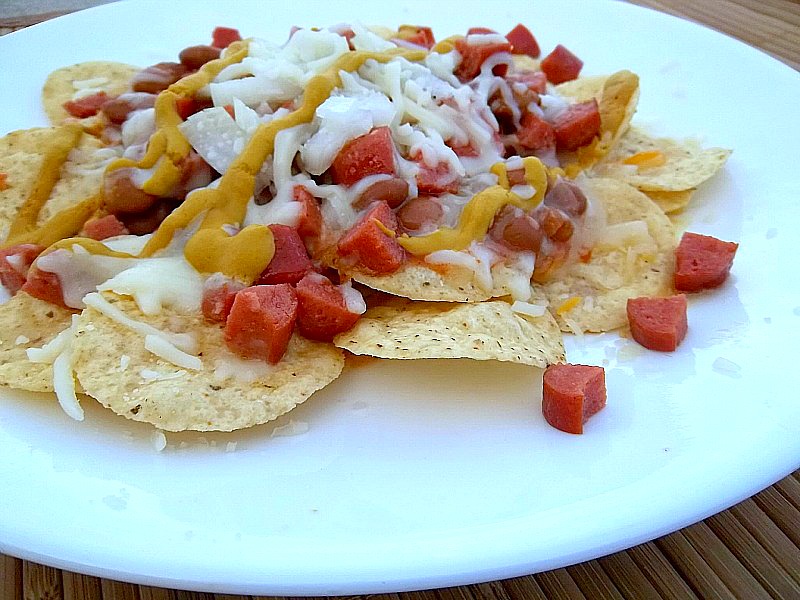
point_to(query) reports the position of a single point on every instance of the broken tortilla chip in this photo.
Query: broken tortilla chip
(226, 393)
(403, 329)
(671, 202)
(85, 78)
(686, 164)
(633, 256)
(27, 322)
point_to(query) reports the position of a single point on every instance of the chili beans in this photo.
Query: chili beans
(117, 109)
(121, 196)
(195, 57)
(417, 212)
(157, 78)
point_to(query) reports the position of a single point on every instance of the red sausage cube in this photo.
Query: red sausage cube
(523, 42)
(104, 227)
(44, 285)
(369, 154)
(88, 106)
(577, 126)
(413, 34)
(561, 65)
(222, 37)
(290, 262)
(369, 246)
(571, 394)
(310, 222)
(261, 321)
(474, 55)
(322, 311)
(702, 262)
(219, 293)
(658, 323)
(535, 133)
(15, 261)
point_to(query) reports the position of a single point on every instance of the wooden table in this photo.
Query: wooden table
(749, 551)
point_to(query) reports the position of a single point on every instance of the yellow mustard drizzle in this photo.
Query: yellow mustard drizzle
(477, 215)
(66, 138)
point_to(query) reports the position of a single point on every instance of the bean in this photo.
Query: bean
(117, 109)
(566, 197)
(195, 57)
(393, 191)
(121, 196)
(418, 212)
(157, 78)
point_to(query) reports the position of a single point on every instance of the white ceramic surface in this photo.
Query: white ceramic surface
(424, 474)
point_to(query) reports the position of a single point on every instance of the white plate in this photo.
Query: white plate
(424, 474)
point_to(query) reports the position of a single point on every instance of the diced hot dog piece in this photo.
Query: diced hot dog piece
(418, 212)
(222, 37)
(392, 191)
(420, 36)
(219, 292)
(261, 321)
(437, 180)
(122, 196)
(195, 57)
(322, 310)
(702, 262)
(88, 106)
(523, 42)
(535, 133)
(44, 285)
(104, 227)
(369, 154)
(474, 55)
(566, 197)
(290, 262)
(555, 224)
(309, 225)
(14, 264)
(117, 109)
(479, 31)
(571, 394)
(561, 65)
(658, 323)
(155, 79)
(577, 126)
(368, 245)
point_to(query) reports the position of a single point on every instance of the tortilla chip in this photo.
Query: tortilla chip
(22, 171)
(593, 296)
(111, 77)
(419, 282)
(146, 388)
(617, 96)
(687, 164)
(27, 322)
(671, 202)
(403, 329)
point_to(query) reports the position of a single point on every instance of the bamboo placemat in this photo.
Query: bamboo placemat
(751, 550)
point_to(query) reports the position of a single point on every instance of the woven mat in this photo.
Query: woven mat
(749, 551)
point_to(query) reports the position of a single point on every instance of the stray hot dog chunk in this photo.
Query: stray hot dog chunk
(222, 37)
(561, 65)
(702, 262)
(523, 42)
(577, 126)
(571, 394)
(658, 323)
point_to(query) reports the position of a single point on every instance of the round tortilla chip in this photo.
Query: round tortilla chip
(113, 78)
(403, 329)
(592, 296)
(687, 163)
(27, 322)
(146, 388)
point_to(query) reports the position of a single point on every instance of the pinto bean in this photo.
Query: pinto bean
(117, 109)
(523, 233)
(121, 196)
(157, 78)
(149, 220)
(195, 57)
(418, 212)
(393, 191)
(566, 197)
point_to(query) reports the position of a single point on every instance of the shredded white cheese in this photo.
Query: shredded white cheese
(167, 351)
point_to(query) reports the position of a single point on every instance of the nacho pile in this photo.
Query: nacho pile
(199, 244)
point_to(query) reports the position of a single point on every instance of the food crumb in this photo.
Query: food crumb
(159, 440)
(727, 367)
